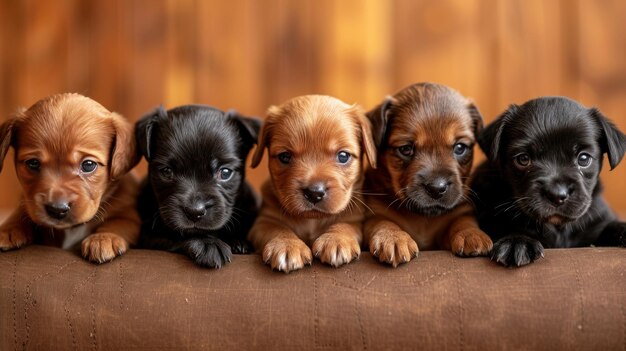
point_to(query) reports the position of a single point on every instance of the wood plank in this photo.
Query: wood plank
(355, 50)
(452, 42)
(10, 86)
(602, 80)
(530, 50)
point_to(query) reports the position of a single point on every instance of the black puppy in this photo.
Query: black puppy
(539, 187)
(195, 199)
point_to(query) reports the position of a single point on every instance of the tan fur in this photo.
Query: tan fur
(314, 129)
(62, 131)
(433, 118)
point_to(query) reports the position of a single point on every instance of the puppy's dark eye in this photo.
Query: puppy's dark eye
(406, 150)
(33, 164)
(584, 160)
(460, 149)
(284, 157)
(166, 172)
(522, 160)
(225, 174)
(343, 157)
(88, 166)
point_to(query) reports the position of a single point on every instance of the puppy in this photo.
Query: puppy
(72, 157)
(424, 134)
(315, 145)
(540, 187)
(195, 200)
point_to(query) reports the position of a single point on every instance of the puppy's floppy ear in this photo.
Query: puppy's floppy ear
(6, 138)
(123, 154)
(490, 138)
(477, 118)
(367, 139)
(613, 141)
(144, 130)
(272, 113)
(248, 128)
(379, 119)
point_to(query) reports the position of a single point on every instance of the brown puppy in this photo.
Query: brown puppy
(315, 145)
(425, 134)
(71, 158)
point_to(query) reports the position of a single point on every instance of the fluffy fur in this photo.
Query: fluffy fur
(425, 134)
(540, 186)
(71, 158)
(195, 199)
(315, 145)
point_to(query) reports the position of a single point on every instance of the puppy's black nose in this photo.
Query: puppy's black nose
(57, 210)
(437, 187)
(558, 194)
(315, 193)
(196, 211)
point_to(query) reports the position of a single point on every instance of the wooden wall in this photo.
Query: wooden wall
(132, 55)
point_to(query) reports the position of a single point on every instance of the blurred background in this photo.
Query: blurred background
(132, 55)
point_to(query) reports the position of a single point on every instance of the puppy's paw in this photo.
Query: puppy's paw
(471, 242)
(287, 255)
(103, 247)
(393, 247)
(241, 247)
(516, 251)
(208, 252)
(14, 238)
(336, 249)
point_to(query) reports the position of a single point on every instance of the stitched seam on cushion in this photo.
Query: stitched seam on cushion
(624, 325)
(317, 313)
(67, 310)
(429, 278)
(14, 279)
(357, 310)
(28, 296)
(92, 309)
(358, 289)
(121, 277)
(461, 308)
(316, 309)
(580, 294)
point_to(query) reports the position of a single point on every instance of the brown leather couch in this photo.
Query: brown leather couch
(574, 299)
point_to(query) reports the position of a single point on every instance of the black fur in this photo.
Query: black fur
(516, 204)
(192, 210)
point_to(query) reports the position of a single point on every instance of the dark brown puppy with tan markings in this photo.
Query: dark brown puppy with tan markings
(72, 157)
(425, 134)
(315, 145)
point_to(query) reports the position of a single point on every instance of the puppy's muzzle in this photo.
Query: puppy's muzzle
(196, 210)
(437, 187)
(58, 210)
(315, 193)
(558, 193)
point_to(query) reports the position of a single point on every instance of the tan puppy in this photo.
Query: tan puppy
(425, 134)
(71, 158)
(315, 145)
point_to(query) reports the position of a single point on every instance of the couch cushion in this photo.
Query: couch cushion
(572, 299)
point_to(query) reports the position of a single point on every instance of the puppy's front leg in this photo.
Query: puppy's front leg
(388, 242)
(208, 251)
(112, 238)
(16, 231)
(516, 250)
(281, 247)
(340, 244)
(466, 238)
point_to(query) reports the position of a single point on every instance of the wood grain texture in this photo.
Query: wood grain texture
(244, 54)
